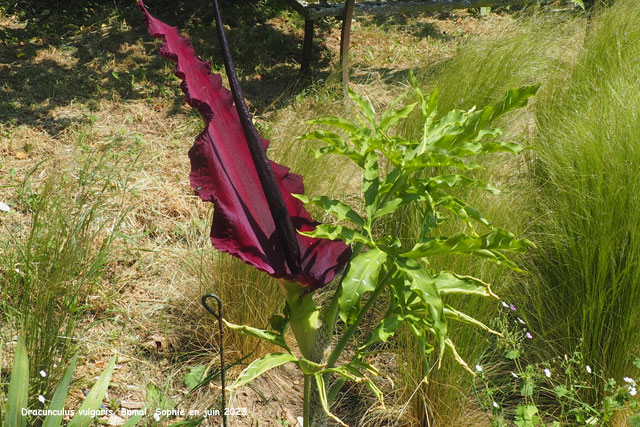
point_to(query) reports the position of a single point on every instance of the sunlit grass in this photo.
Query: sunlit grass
(533, 48)
(585, 290)
(49, 272)
(575, 195)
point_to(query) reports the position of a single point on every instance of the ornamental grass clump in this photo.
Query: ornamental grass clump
(48, 273)
(259, 217)
(586, 291)
(534, 46)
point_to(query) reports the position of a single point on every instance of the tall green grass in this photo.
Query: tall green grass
(50, 265)
(535, 47)
(527, 49)
(585, 289)
(576, 195)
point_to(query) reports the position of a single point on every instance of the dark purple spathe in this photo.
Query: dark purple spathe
(223, 172)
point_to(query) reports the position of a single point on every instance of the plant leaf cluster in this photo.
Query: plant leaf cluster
(398, 172)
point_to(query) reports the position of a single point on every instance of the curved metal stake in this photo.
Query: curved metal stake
(218, 316)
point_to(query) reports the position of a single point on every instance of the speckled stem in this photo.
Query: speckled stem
(321, 349)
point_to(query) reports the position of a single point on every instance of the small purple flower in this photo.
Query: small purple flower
(512, 307)
(528, 335)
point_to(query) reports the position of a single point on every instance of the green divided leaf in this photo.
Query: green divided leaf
(392, 205)
(459, 132)
(515, 98)
(195, 375)
(489, 132)
(18, 387)
(496, 239)
(501, 147)
(393, 117)
(262, 334)
(428, 108)
(324, 401)
(260, 366)
(384, 330)
(308, 367)
(452, 313)
(337, 145)
(498, 258)
(461, 210)
(451, 181)
(526, 416)
(337, 122)
(346, 151)
(94, 398)
(478, 121)
(370, 183)
(59, 397)
(330, 138)
(363, 275)
(432, 160)
(365, 108)
(336, 232)
(424, 286)
(341, 210)
(450, 283)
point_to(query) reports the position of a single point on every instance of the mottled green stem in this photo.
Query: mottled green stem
(339, 348)
(306, 411)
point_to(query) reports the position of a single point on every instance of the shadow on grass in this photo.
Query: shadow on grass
(404, 23)
(55, 54)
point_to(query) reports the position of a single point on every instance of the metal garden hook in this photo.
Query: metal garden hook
(218, 316)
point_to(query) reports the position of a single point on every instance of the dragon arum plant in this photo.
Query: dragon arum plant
(259, 207)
